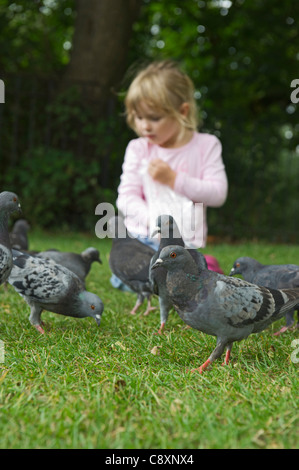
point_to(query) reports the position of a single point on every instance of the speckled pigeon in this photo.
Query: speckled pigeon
(169, 233)
(9, 203)
(79, 263)
(129, 260)
(276, 276)
(46, 285)
(222, 306)
(19, 235)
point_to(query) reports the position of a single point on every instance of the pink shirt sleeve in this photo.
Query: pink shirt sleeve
(130, 191)
(208, 183)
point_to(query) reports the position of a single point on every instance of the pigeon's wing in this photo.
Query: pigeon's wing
(244, 303)
(58, 256)
(278, 276)
(72, 261)
(39, 279)
(130, 261)
(5, 263)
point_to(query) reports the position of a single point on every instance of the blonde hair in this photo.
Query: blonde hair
(163, 87)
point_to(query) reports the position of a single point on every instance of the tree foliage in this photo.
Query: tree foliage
(36, 35)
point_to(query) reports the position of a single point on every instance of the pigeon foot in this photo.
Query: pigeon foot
(226, 360)
(281, 331)
(135, 308)
(148, 310)
(160, 330)
(40, 329)
(202, 367)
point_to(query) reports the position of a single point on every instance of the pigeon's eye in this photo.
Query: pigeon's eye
(14, 199)
(173, 254)
(92, 307)
(237, 265)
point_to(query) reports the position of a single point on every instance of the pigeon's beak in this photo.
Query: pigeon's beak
(158, 263)
(19, 208)
(232, 272)
(98, 319)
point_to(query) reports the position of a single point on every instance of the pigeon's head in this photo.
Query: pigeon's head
(91, 306)
(166, 227)
(91, 254)
(241, 265)
(173, 257)
(9, 202)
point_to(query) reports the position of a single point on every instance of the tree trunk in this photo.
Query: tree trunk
(100, 45)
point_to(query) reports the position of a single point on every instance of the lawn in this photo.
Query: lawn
(120, 386)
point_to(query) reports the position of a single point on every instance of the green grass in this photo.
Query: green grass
(83, 386)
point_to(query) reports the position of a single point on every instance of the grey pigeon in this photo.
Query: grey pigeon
(79, 264)
(46, 285)
(129, 260)
(18, 235)
(169, 233)
(9, 203)
(276, 276)
(222, 306)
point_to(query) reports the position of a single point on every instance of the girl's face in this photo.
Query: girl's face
(159, 128)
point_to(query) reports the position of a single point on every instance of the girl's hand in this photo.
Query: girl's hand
(161, 172)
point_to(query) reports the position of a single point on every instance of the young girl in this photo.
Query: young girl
(170, 168)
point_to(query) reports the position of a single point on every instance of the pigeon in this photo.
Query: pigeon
(79, 264)
(129, 260)
(279, 276)
(169, 233)
(222, 306)
(9, 203)
(18, 236)
(46, 285)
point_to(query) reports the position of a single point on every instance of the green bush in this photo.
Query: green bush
(57, 189)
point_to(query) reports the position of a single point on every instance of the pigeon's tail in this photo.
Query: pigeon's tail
(291, 300)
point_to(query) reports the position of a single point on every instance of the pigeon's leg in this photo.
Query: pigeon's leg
(227, 355)
(139, 302)
(290, 318)
(160, 330)
(35, 319)
(218, 351)
(297, 324)
(289, 322)
(165, 307)
(149, 308)
(40, 329)
(281, 331)
(202, 367)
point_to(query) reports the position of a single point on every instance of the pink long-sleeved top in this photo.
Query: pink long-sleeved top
(201, 181)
